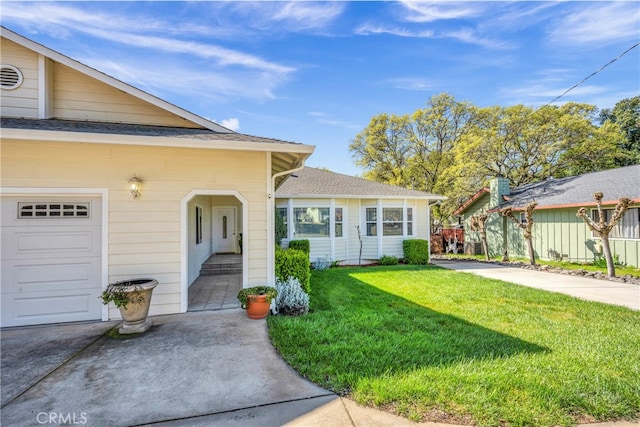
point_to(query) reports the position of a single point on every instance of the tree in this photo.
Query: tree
(603, 228)
(626, 114)
(527, 227)
(382, 148)
(479, 224)
(414, 150)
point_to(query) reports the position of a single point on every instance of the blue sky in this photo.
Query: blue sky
(317, 72)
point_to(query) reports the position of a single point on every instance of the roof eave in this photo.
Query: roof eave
(356, 196)
(101, 138)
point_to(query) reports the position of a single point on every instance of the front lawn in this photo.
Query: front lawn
(433, 344)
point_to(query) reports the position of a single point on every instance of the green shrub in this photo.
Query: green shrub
(300, 245)
(416, 251)
(388, 260)
(294, 263)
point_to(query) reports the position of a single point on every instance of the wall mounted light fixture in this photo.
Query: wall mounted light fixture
(134, 185)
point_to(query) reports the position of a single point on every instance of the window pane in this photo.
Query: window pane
(409, 214)
(392, 229)
(311, 222)
(338, 229)
(392, 214)
(372, 214)
(338, 214)
(410, 228)
(372, 229)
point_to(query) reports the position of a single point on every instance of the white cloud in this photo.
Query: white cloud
(598, 22)
(293, 16)
(410, 83)
(231, 123)
(154, 61)
(326, 119)
(435, 11)
(374, 29)
(301, 15)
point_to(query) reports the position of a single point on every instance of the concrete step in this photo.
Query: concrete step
(218, 269)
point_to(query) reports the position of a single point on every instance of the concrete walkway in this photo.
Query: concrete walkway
(194, 369)
(207, 368)
(587, 288)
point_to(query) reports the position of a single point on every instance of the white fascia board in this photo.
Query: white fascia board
(111, 81)
(356, 196)
(117, 139)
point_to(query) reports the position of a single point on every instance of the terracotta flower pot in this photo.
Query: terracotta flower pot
(258, 306)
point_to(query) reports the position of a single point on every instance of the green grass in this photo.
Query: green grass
(434, 344)
(620, 270)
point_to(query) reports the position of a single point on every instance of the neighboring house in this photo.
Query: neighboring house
(72, 139)
(557, 232)
(326, 208)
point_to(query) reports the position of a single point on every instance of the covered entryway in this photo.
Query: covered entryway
(217, 264)
(51, 259)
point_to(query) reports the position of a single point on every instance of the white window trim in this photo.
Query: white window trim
(594, 235)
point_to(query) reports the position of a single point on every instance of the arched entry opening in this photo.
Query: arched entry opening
(214, 262)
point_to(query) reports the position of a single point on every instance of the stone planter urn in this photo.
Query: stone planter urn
(133, 299)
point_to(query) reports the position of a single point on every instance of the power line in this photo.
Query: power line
(594, 73)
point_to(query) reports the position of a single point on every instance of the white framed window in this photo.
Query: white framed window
(409, 221)
(283, 214)
(371, 221)
(311, 222)
(198, 219)
(29, 210)
(392, 219)
(523, 218)
(338, 225)
(627, 228)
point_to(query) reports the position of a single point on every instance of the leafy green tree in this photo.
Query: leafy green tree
(381, 149)
(626, 114)
(413, 150)
(527, 145)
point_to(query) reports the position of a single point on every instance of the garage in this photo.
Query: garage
(51, 259)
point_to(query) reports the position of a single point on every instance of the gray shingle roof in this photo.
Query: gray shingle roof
(613, 183)
(314, 182)
(132, 129)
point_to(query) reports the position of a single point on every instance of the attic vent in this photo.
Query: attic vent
(10, 77)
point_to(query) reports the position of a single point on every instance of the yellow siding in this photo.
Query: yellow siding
(80, 97)
(144, 234)
(23, 101)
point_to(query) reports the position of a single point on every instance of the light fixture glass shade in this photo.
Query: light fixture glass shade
(134, 185)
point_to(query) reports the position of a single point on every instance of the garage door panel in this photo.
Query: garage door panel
(39, 242)
(68, 306)
(35, 277)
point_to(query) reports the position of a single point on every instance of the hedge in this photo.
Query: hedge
(294, 263)
(416, 251)
(300, 245)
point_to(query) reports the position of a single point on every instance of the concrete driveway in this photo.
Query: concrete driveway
(587, 288)
(194, 369)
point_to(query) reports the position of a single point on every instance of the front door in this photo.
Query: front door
(224, 230)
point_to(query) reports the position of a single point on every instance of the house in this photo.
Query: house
(557, 232)
(103, 182)
(330, 210)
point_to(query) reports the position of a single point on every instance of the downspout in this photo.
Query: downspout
(271, 277)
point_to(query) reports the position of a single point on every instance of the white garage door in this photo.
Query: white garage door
(51, 259)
